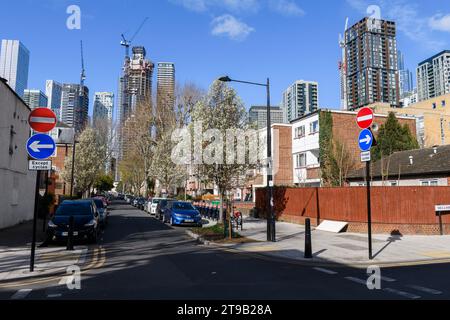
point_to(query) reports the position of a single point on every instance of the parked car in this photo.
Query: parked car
(182, 213)
(102, 211)
(140, 203)
(160, 207)
(151, 207)
(86, 221)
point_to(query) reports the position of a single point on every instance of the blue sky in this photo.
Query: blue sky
(250, 40)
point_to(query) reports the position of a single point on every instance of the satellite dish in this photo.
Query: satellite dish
(375, 127)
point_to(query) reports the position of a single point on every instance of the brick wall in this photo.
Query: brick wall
(284, 176)
(408, 210)
(347, 131)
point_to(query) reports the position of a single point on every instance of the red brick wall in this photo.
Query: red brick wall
(284, 176)
(346, 131)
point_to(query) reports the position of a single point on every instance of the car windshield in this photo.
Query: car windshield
(99, 203)
(156, 201)
(183, 206)
(74, 209)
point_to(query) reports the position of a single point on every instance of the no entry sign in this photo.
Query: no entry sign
(42, 120)
(365, 118)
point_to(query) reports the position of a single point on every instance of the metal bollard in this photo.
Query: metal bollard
(70, 234)
(308, 244)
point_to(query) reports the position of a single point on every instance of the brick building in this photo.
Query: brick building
(306, 136)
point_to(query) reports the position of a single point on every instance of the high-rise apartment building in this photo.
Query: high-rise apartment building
(405, 77)
(371, 63)
(301, 98)
(433, 76)
(258, 115)
(35, 98)
(165, 86)
(103, 108)
(75, 106)
(14, 65)
(53, 90)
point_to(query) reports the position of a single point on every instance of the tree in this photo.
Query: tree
(89, 161)
(393, 137)
(219, 116)
(104, 183)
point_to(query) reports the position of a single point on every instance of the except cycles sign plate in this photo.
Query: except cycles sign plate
(42, 120)
(39, 165)
(365, 118)
(40, 146)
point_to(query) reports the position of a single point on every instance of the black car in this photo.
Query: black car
(102, 211)
(86, 221)
(140, 203)
(160, 208)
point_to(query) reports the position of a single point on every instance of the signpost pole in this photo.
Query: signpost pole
(36, 206)
(369, 210)
(441, 226)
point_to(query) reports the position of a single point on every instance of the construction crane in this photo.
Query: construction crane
(127, 43)
(83, 71)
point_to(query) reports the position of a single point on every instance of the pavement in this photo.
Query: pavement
(342, 248)
(140, 258)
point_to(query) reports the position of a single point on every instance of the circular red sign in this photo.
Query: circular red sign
(42, 120)
(365, 118)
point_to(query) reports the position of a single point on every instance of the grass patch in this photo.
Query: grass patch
(216, 233)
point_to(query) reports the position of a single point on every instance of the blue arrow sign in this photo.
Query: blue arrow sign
(40, 146)
(365, 140)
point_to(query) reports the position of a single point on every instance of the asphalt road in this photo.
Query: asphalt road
(141, 258)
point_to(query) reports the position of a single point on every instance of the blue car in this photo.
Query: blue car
(181, 213)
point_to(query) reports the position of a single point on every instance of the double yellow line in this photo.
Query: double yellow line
(98, 259)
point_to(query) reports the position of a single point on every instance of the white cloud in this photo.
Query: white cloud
(286, 7)
(440, 22)
(227, 25)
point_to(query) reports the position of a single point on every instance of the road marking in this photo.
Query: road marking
(102, 261)
(402, 293)
(325, 270)
(424, 289)
(94, 259)
(387, 279)
(360, 281)
(54, 295)
(21, 294)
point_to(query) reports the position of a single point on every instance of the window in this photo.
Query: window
(299, 132)
(300, 160)
(393, 183)
(434, 105)
(314, 127)
(443, 103)
(429, 183)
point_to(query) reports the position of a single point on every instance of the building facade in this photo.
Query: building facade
(103, 108)
(406, 83)
(17, 185)
(257, 115)
(135, 87)
(14, 65)
(53, 91)
(306, 149)
(371, 63)
(301, 98)
(433, 119)
(35, 98)
(433, 76)
(75, 106)
(165, 95)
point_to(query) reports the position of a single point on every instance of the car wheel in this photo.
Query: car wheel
(94, 238)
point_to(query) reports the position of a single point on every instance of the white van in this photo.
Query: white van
(151, 206)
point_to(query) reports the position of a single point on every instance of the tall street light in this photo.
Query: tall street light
(271, 218)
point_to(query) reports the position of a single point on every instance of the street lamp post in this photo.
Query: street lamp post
(271, 234)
